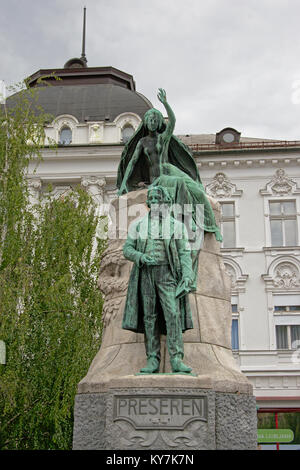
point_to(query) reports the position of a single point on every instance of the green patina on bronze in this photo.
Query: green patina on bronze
(161, 265)
(155, 155)
(165, 267)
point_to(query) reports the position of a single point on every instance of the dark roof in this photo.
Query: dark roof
(89, 94)
(90, 102)
(75, 75)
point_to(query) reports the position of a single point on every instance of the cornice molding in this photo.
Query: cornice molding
(240, 162)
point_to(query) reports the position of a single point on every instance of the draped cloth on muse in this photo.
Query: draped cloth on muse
(178, 154)
(180, 176)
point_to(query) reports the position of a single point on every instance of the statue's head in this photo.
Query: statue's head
(158, 195)
(153, 120)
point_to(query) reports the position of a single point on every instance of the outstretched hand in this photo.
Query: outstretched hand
(162, 95)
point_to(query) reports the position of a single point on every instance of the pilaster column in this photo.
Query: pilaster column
(34, 186)
(95, 186)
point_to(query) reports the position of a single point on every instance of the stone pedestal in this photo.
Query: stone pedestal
(117, 409)
(166, 412)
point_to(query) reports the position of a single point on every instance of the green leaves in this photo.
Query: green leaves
(50, 306)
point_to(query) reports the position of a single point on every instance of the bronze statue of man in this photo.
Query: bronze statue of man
(162, 275)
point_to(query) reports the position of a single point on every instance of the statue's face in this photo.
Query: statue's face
(158, 204)
(154, 197)
(152, 122)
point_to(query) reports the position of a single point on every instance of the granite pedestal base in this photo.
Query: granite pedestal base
(165, 415)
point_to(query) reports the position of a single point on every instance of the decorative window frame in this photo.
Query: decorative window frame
(126, 119)
(227, 130)
(276, 284)
(222, 188)
(268, 235)
(238, 279)
(58, 192)
(224, 191)
(291, 284)
(65, 120)
(279, 189)
(238, 289)
(236, 218)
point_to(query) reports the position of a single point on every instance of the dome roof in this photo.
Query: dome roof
(88, 94)
(100, 102)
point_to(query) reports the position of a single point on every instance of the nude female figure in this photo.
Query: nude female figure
(154, 146)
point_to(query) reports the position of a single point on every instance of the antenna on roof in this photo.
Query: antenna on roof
(76, 62)
(83, 56)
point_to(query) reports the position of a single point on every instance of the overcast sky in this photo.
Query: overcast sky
(222, 62)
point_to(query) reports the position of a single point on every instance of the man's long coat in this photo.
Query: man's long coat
(179, 256)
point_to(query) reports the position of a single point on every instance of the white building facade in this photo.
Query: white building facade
(257, 186)
(256, 182)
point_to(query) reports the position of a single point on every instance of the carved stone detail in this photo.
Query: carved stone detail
(110, 311)
(286, 276)
(221, 187)
(34, 187)
(60, 192)
(238, 279)
(34, 184)
(113, 282)
(93, 181)
(176, 439)
(280, 185)
(232, 274)
(96, 133)
(126, 119)
(95, 186)
(65, 120)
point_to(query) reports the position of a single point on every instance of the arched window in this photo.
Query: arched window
(127, 132)
(65, 136)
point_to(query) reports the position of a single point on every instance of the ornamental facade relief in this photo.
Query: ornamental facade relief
(280, 185)
(221, 187)
(286, 276)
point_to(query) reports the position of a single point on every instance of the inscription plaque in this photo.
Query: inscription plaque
(160, 412)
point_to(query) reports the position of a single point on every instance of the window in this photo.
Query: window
(228, 224)
(288, 336)
(65, 136)
(283, 223)
(127, 132)
(235, 334)
(228, 136)
(234, 325)
(287, 308)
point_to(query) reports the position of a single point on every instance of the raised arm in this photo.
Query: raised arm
(162, 96)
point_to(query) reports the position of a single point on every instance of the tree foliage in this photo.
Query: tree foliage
(50, 306)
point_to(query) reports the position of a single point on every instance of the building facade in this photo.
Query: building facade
(257, 182)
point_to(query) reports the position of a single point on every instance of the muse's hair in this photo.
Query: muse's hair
(157, 113)
(166, 198)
